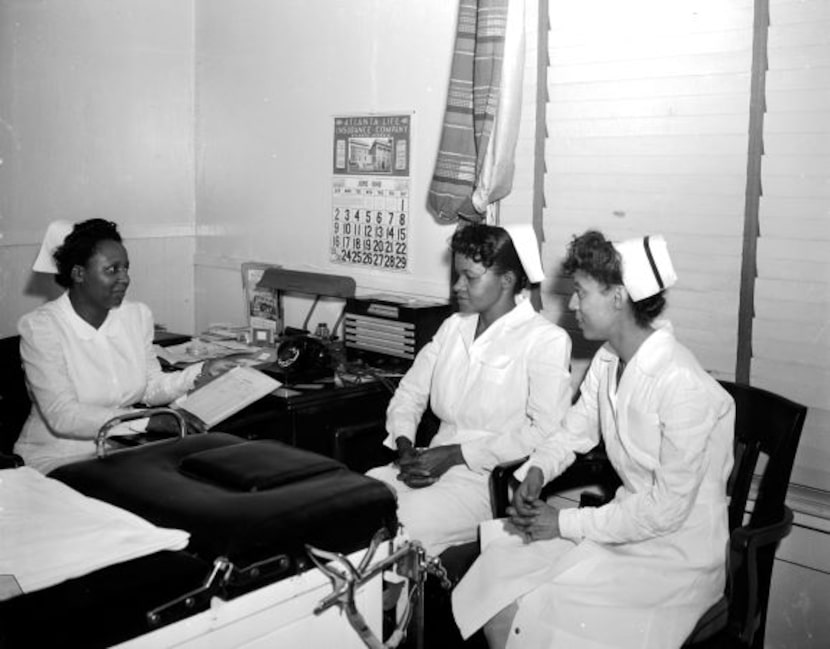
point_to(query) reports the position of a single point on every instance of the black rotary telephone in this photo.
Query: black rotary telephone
(303, 356)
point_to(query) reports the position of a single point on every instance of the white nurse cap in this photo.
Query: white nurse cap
(54, 237)
(527, 247)
(646, 266)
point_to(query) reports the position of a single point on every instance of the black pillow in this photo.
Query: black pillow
(256, 465)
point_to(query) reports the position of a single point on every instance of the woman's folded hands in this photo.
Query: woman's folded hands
(421, 467)
(529, 516)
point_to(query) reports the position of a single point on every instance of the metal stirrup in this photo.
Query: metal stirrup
(411, 562)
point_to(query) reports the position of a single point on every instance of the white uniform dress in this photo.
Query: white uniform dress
(637, 572)
(79, 377)
(498, 396)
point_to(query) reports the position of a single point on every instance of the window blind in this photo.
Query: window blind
(647, 133)
(791, 326)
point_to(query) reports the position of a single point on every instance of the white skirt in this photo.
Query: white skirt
(447, 512)
(585, 595)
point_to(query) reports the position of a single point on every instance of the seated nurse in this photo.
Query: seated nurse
(495, 374)
(638, 572)
(88, 354)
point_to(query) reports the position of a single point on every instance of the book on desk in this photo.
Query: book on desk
(226, 395)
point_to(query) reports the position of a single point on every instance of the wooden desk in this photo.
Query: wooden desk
(312, 419)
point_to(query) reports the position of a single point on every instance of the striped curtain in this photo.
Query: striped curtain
(474, 167)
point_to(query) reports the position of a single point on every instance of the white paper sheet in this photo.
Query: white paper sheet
(228, 394)
(50, 533)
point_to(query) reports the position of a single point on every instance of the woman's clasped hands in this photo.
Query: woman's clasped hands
(529, 516)
(421, 467)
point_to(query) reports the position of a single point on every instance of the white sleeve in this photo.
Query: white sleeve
(162, 387)
(578, 433)
(687, 418)
(411, 397)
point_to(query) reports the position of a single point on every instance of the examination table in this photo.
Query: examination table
(251, 508)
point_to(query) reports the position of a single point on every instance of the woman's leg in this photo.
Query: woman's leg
(448, 512)
(443, 514)
(497, 630)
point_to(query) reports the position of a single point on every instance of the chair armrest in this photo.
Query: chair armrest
(745, 543)
(745, 539)
(591, 468)
(501, 479)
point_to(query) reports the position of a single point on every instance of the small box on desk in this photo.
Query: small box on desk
(388, 330)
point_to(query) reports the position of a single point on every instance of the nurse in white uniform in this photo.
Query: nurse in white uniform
(495, 374)
(88, 355)
(639, 571)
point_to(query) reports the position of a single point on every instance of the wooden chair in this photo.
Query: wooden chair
(14, 400)
(765, 424)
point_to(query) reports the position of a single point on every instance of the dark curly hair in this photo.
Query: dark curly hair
(492, 247)
(80, 245)
(595, 256)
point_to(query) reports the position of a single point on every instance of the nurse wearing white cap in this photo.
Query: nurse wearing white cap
(646, 266)
(495, 374)
(638, 572)
(88, 354)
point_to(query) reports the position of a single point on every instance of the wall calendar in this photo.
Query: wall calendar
(370, 222)
(370, 192)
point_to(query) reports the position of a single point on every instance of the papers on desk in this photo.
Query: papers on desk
(227, 395)
(197, 350)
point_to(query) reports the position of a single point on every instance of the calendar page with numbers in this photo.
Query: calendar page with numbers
(370, 222)
(370, 192)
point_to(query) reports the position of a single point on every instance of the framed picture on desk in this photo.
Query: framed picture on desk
(262, 305)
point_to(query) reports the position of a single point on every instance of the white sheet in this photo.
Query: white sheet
(50, 533)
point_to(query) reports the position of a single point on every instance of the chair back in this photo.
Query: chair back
(767, 431)
(14, 398)
(769, 425)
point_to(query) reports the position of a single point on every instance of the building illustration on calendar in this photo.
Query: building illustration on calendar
(370, 192)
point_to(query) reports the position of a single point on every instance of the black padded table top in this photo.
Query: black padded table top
(102, 608)
(245, 500)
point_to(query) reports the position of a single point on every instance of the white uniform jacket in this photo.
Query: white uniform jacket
(639, 571)
(499, 395)
(79, 377)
